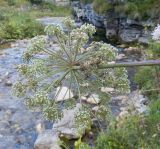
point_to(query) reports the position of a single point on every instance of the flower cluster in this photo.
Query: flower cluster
(74, 63)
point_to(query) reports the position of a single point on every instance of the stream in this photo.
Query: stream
(17, 123)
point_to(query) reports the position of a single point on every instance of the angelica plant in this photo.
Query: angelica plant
(74, 64)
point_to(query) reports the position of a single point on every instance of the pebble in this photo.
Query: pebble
(8, 83)
(93, 99)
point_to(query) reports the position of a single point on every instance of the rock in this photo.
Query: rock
(83, 98)
(22, 118)
(40, 127)
(6, 75)
(120, 56)
(66, 127)
(8, 83)
(130, 35)
(87, 13)
(132, 104)
(47, 140)
(123, 114)
(111, 33)
(107, 89)
(143, 40)
(7, 142)
(122, 46)
(138, 101)
(63, 93)
(95, 109)
(93, 99)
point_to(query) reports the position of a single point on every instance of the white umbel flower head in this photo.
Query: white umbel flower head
(156, 33)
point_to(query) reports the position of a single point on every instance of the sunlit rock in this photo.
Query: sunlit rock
(66, 127)
(63, 93)
(47, 140)
(93, 99)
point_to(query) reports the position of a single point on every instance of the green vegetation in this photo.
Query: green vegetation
(18, 26)
(142, 9)
(48, 9)
(17, 18)
(101, 6)
(135, 132)
(136, 9)
(148, 78)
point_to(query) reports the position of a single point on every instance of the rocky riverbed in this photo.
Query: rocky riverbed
(17, 123)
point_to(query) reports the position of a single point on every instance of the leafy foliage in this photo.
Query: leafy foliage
(72, 64)
(18, 20)
(101, 6)
(19, 26)
(134, 132)
(135, 9)
(150, 83)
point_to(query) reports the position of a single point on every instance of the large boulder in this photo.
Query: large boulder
(47, 140)
(66, 127)
(130, 35)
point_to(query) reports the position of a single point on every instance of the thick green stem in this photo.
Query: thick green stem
(131, 64)
(126, 64)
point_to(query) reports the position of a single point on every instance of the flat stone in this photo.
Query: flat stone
(63, 93)
(120, 56)
(107, 89)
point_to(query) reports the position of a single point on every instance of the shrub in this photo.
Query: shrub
(148, 78)
(101, 6)
(19, 26)
(134, 132)
(17, 2)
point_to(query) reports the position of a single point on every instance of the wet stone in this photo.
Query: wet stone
(17, 122)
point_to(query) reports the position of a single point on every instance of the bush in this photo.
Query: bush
(19, 26)
(101, 6)
(148, 78)
(147, 81)
(135, 132)
(17, 2)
